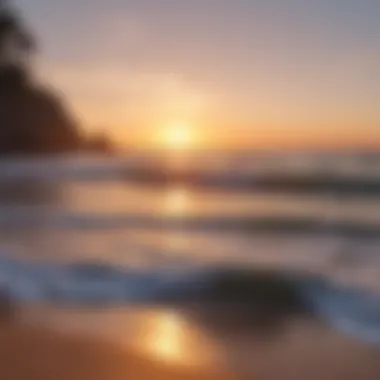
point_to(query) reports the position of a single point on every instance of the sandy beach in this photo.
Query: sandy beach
(29, 353)
(79, 350)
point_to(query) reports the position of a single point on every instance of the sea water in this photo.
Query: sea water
(151, 227)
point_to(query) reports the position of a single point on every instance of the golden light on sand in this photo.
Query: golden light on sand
(167, 343)
(171, 338)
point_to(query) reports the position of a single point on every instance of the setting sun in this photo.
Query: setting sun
(177, 136)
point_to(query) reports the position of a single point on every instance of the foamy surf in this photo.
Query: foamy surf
(230, 174)
(272, 292)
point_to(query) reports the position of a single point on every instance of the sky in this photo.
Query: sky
(239, 72)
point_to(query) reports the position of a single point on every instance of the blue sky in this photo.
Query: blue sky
(301, 69)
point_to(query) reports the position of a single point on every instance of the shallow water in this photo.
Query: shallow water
(137, 236)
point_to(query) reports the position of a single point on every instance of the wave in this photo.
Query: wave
(229, 178)
(273, 295)
(57, 169)
(350, 310)
(278, 182)
(24, 217)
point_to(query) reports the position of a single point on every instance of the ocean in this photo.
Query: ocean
(196, 229)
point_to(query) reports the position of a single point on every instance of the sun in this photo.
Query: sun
(178, 136)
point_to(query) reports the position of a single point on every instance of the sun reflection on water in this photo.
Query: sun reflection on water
(176, 205)
(166, 338)
(176, 202)
(170, 338)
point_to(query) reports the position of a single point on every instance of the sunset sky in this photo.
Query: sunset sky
(235, 72)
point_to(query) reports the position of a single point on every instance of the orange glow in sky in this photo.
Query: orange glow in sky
(256, 74)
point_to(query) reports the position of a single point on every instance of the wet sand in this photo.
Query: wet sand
(27, 353)
(145, 344)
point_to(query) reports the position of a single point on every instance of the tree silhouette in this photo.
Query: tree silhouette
(32, 118)
(16, 43)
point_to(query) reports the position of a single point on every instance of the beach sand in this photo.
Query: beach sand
(27, 353)
(75, 351)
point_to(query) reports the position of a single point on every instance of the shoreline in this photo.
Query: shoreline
(65, 344)
(29, 352)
